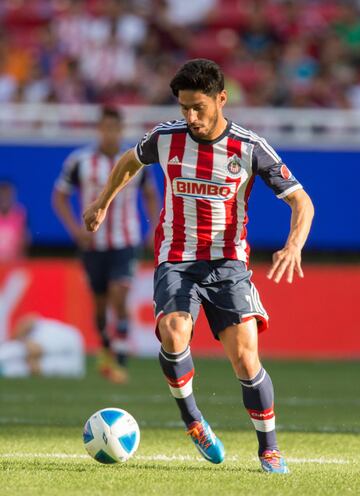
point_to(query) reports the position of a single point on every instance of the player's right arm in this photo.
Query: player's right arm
(64, 186)
(62, 206)
(124, 171)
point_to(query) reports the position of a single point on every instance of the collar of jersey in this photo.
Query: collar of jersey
(216, 140)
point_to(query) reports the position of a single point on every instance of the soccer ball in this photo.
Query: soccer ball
(111, 435)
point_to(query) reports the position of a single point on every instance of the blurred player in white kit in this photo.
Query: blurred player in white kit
(110, 255)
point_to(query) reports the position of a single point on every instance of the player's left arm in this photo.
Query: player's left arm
(288, 260)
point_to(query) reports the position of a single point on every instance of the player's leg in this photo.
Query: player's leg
(235, 312)
(176, 362)
(117, 296)
(240, 344)
(176, 307)
(96, 271)
(94, 265)
(122, 266)
(175, 330)
(100, 304)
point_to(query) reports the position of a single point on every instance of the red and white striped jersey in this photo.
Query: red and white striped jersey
(88, 169)
(207, 188)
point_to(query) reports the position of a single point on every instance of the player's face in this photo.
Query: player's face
(203, 113)
(110, 133)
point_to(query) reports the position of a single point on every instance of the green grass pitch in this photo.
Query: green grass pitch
(318, 418)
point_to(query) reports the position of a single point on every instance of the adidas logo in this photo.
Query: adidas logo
(174, 160)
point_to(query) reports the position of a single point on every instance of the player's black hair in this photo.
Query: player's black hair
(198, 75)
(112, 112)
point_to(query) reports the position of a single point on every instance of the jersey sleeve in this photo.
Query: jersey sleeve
(69, 177)
(272, 170)
(146, 150)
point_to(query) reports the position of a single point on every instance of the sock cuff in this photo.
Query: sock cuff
(175, 357)
(255, 381)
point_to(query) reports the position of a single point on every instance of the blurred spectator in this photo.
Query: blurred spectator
(348, 28)
(13, 225)
(194, 13)
(127, 22)
(76, 28)
(172, 37)
(69, 85)
(16, 58)
(258, 35)
(297, 67)
(49, 52)
(8, 83)
(353, 93)
(37, 87)
(108, 64)
(42, 346)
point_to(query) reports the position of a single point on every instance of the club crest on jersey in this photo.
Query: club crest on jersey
(234, 166)
(199, 188)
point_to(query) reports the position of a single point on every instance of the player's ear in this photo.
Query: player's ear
(222, 98)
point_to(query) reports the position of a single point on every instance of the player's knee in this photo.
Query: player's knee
(118, 299)
(246, 364)
(175, 331)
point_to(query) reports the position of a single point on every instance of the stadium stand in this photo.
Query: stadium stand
(308, 51)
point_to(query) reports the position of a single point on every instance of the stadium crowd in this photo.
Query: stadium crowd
(274, 52)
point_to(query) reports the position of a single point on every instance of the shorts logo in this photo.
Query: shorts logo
(198, 188)
(285, 172)
(234, 166)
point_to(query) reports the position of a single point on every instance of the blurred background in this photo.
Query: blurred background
(293, 75)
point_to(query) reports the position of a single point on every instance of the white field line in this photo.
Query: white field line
(172, 458)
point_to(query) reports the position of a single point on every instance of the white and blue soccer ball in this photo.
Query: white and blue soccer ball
(111, 435)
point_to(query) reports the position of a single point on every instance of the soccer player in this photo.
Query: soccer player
(109, 256)
(201, 251)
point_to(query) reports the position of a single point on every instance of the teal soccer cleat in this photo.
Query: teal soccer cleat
(273, 462)
(210, 446)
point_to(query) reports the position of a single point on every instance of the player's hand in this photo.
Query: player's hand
(93, 216)
(286, 261)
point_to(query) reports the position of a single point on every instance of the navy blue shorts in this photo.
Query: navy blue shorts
(223, 287)
(103, 267)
